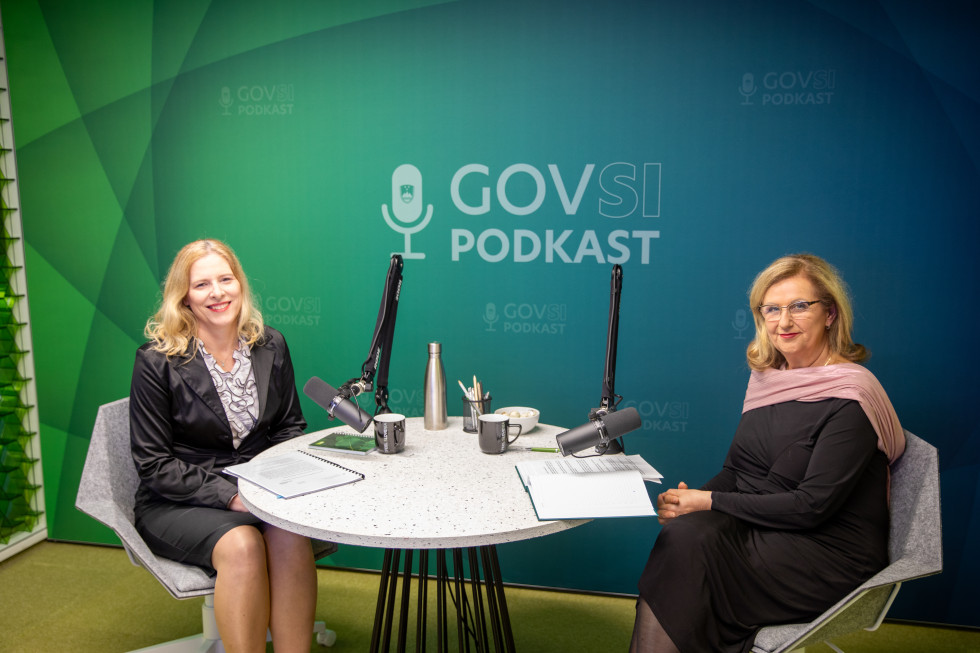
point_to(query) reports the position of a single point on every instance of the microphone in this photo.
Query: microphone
(747, 88)
(337, 403)
(407, 205)
(225, 100)
(748, 84)
(490, 315)
(740, 322)
(599, 431)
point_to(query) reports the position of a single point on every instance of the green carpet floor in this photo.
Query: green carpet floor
(79, 598)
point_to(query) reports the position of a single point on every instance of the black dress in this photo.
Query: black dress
(799, 518)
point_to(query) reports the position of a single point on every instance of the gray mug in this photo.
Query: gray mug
(494, 432)
(389, 432)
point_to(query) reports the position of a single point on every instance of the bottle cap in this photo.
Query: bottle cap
(435, 348)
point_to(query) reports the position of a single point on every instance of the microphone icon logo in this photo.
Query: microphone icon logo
(225, 100)
(406, 205)
(747, 88)
(490, 316)
(740, 323)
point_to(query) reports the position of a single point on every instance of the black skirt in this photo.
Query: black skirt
(186, 533)
(727, 579)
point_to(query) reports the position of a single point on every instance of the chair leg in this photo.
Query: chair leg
(208, 622)
(207, 642)
(886, 608)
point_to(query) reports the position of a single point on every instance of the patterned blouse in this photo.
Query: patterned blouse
(237, 390)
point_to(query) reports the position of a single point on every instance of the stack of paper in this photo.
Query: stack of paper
(588, 488)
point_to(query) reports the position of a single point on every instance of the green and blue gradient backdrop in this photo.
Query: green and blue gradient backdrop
(755, 129)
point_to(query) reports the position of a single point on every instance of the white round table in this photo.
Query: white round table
(440, 493)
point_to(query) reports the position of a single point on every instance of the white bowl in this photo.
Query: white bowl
(515, 413)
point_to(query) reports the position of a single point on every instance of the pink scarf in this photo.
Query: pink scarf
(842, 381)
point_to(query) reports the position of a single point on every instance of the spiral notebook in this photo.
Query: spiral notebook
(294, 473)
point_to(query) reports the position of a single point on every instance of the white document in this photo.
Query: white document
(588, 496)
(591, 464)
(587, 488)
(294, 473)
(646, 469)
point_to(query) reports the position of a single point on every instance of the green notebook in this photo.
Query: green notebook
(345, 443)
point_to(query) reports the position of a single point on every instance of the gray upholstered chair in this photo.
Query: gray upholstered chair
(915, 550)
(106, 492)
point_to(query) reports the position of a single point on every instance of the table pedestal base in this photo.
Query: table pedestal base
(474, 586)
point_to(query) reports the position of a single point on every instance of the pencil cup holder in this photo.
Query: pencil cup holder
(472, 409)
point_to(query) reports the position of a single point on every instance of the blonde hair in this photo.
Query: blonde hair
(173, 327)
(831, 291)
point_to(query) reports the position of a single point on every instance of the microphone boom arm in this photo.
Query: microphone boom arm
(379, 354)
(609, 399)
(606, 424)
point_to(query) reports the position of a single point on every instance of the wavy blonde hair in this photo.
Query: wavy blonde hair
(831, 291)
(173, 327)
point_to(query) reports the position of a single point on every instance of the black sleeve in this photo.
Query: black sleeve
(723, 481)
(289, 421)
(845, 446)
(152, 426)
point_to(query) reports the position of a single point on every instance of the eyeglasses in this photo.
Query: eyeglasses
(771, 312)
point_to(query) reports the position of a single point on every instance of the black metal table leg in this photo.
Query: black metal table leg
(406, 594)
(498, 589)
(481, 593)
(379, 609)
(442, 583)
(462, 606)
(423, 600)
(392, 594)
(479, 616)
(490, 581)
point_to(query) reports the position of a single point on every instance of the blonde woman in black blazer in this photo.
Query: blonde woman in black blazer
(214, 387)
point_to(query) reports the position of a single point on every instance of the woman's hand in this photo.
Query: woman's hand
(674, 503)
(236, 504)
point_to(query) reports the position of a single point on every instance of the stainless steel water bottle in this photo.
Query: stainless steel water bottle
(435, 390)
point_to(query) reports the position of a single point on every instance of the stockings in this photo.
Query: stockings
(648, 635)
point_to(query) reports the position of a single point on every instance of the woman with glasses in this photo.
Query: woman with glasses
(798, 514)
(214, 387)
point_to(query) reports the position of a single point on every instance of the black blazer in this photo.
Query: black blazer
(180, 436)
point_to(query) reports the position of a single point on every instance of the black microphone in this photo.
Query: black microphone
(337, 403)
(599, 432)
